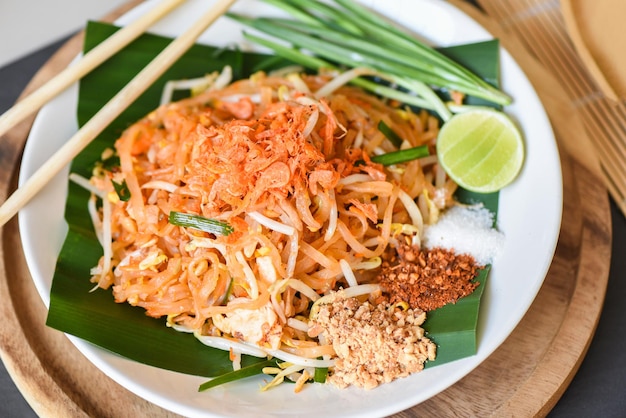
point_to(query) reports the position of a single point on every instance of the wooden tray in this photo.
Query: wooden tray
(524, 377)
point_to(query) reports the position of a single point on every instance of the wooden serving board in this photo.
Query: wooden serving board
(524, 377)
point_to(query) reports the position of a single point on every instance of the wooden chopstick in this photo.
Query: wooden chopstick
(110, 111)
(89, 61)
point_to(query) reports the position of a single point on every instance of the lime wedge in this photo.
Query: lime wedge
(481, 150)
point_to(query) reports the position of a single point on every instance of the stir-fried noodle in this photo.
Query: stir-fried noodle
(290, 171)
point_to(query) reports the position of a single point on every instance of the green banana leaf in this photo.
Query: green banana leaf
(120, 328)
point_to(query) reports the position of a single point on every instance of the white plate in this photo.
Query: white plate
(529, 216)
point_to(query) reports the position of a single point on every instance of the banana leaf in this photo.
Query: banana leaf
(120, 328)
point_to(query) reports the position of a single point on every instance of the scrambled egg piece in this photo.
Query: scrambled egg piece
(258, 326)
(267, 271)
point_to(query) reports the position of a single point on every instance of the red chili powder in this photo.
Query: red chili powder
(428, 279)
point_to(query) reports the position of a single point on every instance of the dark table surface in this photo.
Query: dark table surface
(599, 387)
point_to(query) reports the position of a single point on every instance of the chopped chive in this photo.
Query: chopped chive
(401, 156)
(320, 374)
(201, 223)
(122, 190)
(391, 135)
(248, 371)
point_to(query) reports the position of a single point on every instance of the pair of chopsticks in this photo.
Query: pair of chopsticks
(114, 107)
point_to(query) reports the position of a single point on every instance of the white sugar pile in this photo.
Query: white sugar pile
(466, 230)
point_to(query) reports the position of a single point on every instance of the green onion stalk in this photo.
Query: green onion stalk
(348, 34)
(201, 223)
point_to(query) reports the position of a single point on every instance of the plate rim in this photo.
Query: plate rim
(546, 267)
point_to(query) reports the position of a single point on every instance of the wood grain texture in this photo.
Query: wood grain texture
(524, 377)
(541, 27)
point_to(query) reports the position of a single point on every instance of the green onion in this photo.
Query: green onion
(358, 56)
(428, 94)
(401, 156)
(252, 370)
(388, 34)
(333, 33)
(294, 11)
(397, 72)
(391, 135)
(290, 53)
(317, 63)
(122, 190)
(201, 223)
(321, 373)
(334, 17)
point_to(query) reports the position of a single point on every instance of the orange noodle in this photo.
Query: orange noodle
(290, 171)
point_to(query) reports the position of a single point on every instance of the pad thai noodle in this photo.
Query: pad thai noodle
(248, 212)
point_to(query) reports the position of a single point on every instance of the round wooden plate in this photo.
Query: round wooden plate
(597, 31)
(524, 377)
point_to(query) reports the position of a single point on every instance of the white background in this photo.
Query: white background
(27, 25)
